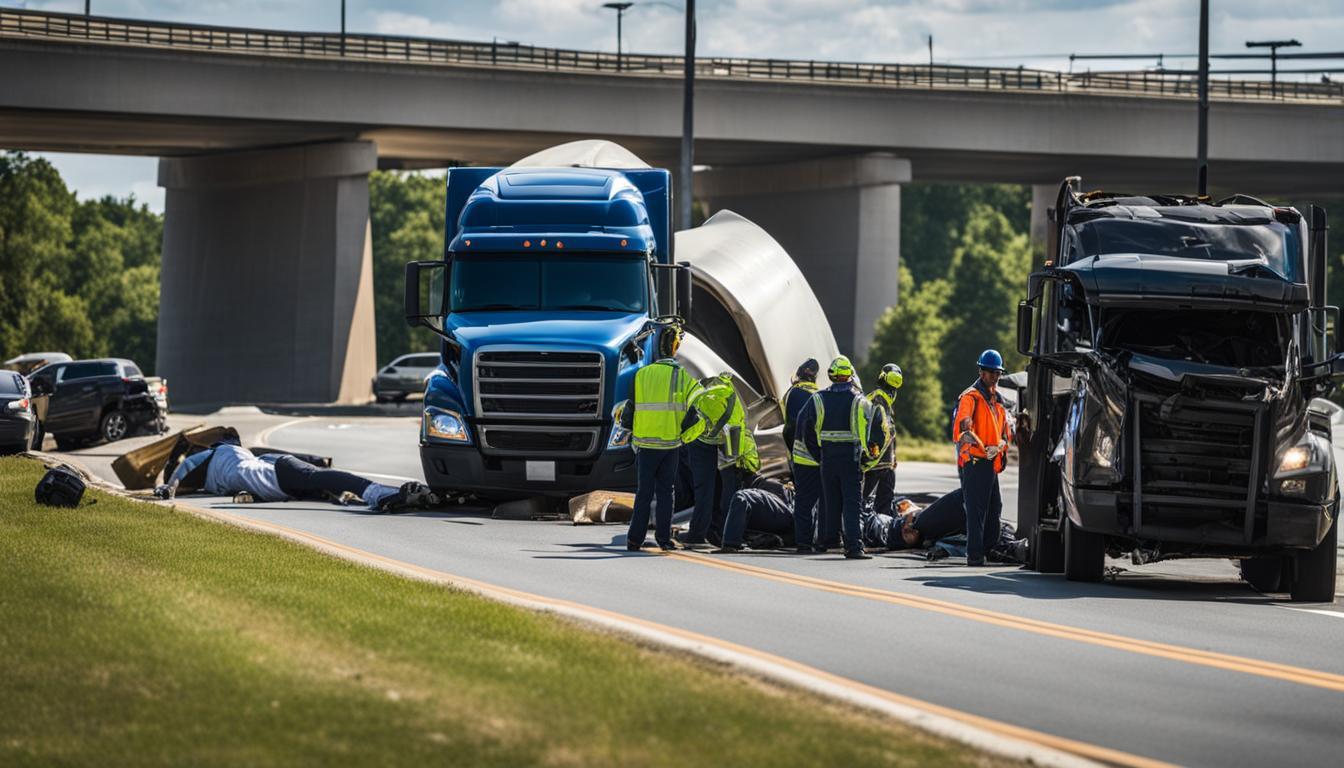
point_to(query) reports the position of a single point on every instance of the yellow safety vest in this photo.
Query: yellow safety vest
(799, 453)
(662, 393)
(860, 412)
(878, 397)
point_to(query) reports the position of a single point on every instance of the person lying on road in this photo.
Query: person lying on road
(226, 469)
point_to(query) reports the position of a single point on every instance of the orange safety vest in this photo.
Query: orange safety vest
(989, 423)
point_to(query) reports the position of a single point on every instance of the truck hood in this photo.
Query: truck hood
(605, 331)
(1118, 278)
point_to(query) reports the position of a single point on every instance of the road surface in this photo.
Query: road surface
(1174, 662)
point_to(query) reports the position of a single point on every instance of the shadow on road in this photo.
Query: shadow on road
(1035, 586)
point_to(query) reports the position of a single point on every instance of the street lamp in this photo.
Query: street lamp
(1274, 46)
(620, 9)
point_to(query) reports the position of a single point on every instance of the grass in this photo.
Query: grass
(922, 449)
(134, 634)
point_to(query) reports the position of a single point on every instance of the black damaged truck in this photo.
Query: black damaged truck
(1175, 346)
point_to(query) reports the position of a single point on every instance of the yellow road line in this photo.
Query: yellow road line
(1007, 730)
(1268, 669)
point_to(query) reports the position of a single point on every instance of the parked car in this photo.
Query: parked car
(91, 400)
(26, 364)
(404, 376)
(18, 422)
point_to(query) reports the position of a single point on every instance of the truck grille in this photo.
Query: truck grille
(542, 384)
(538, 441)
(1197, 468)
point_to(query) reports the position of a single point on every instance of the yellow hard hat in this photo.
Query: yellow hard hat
(891, 375)
(841, 369)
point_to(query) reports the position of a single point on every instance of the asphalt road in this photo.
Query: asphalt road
(1177, 662)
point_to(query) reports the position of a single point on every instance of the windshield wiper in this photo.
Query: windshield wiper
(597, 307)
(488, 307)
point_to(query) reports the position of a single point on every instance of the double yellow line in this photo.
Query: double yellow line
(1266, 669)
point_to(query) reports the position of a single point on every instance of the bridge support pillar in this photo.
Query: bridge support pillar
(267, 284)
(840, 220)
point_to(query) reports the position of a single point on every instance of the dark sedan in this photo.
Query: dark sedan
(18, 423)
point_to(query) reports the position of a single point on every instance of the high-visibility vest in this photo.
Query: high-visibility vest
(799, 453)
(662, 393)
(989, 423)
(719, 407)
(860, 412)
(739, 449)
(884, 402)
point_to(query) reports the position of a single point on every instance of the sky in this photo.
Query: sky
(1036, 33)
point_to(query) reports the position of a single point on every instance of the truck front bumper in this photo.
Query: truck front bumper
(463, 468)
(1279, 523)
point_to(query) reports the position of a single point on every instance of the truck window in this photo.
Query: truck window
(596, 282)
(1276, 243)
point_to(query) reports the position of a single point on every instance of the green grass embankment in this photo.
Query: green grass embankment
(132, 634)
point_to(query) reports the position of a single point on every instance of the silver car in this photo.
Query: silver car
(404, 376)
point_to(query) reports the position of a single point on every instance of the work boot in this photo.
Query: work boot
(410, 495)
(668, 546)
(804, 549)
(632, 547)
(729, 549)
(857, 554)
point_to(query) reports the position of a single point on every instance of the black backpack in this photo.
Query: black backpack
(60, 487)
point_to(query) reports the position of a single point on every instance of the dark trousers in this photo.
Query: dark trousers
(656, 471)
(757, 510)
(879, 484)
(984, 506)
(842, 492)
(807, 506)
(714, 489)
(302, 480)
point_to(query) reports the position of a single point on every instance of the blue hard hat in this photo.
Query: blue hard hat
(991, 360)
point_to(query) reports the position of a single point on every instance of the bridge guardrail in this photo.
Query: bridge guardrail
(418, 50)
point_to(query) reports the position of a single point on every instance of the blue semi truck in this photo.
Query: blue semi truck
(552, 289)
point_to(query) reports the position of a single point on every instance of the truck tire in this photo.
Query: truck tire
(1084, 554)
(1264, 574)
(1314, 581)
(114, 426)
(1047, 551)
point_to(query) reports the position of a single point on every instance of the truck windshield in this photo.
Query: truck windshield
(581, 281)
(1273, 242)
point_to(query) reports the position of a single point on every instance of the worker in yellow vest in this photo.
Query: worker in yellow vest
(879, 475)
(662, 422)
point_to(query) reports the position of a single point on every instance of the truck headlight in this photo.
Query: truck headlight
(1294, 459)
(443, 425)
(1309, 457)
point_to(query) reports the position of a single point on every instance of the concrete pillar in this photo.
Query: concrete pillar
(267, 284)
(840, 220)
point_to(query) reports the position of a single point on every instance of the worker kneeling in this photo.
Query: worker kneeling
(842, 429)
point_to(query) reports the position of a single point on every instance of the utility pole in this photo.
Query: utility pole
(86, 7)
(930, 60)
(688, 124)
(1274, 46)
(1202, 163)
(620, 9)
(342, 27)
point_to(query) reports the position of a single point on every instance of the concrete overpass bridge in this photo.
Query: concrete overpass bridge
(266, 139)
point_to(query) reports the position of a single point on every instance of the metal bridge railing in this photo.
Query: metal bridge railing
(417, 50)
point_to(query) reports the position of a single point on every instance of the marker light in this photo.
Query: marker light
(543, 243)
(468, 242)
(623, 242)
(559, 244)
(527, 243)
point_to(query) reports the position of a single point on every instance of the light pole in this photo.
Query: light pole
(1202, 163)
(620, 9)
(342, 27)
(688, 124)
(1273, 46)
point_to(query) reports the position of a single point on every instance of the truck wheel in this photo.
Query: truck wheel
(1315, 578)
(114, 426)
(1264, 574)
(1047, 551)
(1084, 554)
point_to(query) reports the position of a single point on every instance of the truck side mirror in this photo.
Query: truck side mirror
(425, 294)
(1026, 323)
(1326, 339)
(684, 291)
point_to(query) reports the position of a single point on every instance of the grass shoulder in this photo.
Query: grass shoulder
(135, 634)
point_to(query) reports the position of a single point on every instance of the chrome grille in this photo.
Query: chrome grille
(543, 384)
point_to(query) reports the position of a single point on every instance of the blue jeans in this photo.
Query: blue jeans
(757, 510)
(984, 506)
(656, 470)
(710, 507)
(842, 491)
(807, 507)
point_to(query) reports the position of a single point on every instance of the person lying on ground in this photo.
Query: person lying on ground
(764, 509)
(939, 528)
(226, 469)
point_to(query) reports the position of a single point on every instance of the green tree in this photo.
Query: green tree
(35, 211)
(406, 212)
(989, 276)
(934, 217)
(911, 334)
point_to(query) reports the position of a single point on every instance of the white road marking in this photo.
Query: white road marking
(264, 436)
(1321, 611)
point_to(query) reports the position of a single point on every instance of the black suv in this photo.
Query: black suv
(92, 400)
